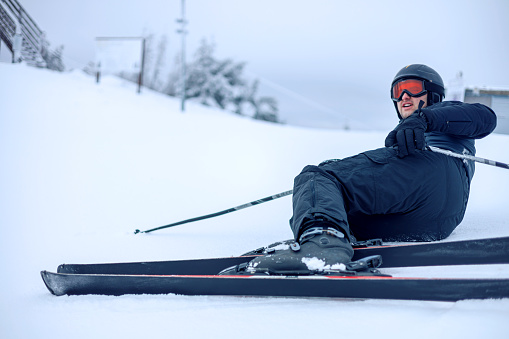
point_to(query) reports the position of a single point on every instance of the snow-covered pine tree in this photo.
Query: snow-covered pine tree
(53, 58)
(220, 83)
(156, 82)
(266, 109)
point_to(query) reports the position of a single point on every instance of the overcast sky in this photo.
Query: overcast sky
(330, 58)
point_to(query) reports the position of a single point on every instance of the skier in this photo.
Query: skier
(401, 192)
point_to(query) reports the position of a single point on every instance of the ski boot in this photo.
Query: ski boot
(320, 249)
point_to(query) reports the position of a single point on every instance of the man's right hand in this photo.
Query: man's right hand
(409, 134)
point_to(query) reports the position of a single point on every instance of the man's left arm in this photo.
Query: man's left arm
(473, 121)
(459, 119)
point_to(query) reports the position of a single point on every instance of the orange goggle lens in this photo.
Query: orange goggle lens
(413, 87)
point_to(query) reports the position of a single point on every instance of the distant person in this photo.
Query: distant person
(401, 192)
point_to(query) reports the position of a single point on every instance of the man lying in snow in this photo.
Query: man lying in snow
(401, 192)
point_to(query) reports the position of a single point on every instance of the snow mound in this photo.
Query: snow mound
(85, 164)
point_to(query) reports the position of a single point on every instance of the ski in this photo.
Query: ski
(200, 276)
(181, 267)
(465, 252)
(324, 286)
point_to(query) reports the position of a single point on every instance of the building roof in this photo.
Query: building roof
(479, 91)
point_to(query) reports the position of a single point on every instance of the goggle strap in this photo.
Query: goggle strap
(431, 87)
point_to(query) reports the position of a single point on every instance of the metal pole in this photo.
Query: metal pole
(284, 194)
(468, 157)
(183, 31)
(233, 209)
(142, 66)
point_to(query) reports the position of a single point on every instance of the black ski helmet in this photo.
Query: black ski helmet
(432, 82)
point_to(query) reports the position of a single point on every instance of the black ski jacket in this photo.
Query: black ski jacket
(454, 125)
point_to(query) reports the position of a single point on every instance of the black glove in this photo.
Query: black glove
(409, 134)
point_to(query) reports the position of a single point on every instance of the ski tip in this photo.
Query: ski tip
(136, 231)
(46, 277)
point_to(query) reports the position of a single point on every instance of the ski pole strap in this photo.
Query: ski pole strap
(216, 214)
(468, 157)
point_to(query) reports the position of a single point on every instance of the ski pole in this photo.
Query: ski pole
(468, 157)
(283, 194)
(212, 215)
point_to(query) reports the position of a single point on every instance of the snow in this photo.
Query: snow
(83, 165)
(315, 264)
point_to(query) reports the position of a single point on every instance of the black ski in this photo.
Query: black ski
(466, 252)
(362, 287)
(182, 267)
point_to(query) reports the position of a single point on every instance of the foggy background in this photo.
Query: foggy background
(326, 62)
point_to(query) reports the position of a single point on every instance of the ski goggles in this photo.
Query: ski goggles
(412, 87)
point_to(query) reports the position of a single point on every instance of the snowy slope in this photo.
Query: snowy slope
(83, 165)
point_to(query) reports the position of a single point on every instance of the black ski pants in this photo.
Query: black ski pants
(376, 194)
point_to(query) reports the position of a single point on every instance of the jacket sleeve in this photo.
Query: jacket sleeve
(459, 119)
